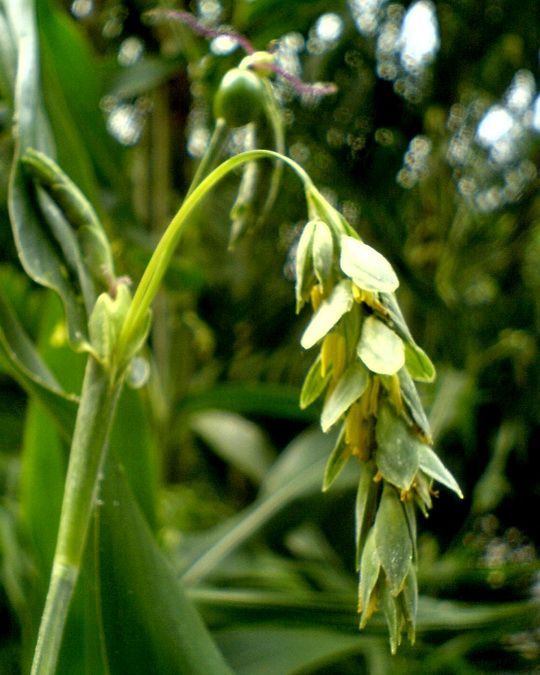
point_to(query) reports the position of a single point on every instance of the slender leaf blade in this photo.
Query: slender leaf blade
(149, 624)
(32, 373)
(37, 252)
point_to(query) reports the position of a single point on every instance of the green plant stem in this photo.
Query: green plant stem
(96, 410)
(161, 257)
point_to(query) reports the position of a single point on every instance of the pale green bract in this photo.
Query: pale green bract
(336, 462)
(380, 348)
(397, 449)
(304, 259)
(328, 314)
(369, 270)
(350, 387)
(434, 468)
(314, 384)
(370, 568)
(393, 540)
(323, 254)
(418, 363)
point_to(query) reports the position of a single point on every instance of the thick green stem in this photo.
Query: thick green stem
(96, 410)
(161, 257)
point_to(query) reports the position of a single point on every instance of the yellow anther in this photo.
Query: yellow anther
(327, 351)
(316, 296)
(333, 354)
(395, 393)
(339, 357)
(353, 423)
(358, 293)
(374, 396)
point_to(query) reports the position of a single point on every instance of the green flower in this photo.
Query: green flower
(365, 370)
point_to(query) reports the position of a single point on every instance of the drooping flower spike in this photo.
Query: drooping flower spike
(365, 372)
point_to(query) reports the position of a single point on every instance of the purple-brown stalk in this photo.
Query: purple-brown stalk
(317, 89)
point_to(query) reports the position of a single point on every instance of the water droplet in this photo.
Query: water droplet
(139, 372)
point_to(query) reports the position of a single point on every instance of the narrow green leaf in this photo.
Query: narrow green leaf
(134, 446)
(294, 477)
(314, 384)
(370, 568)
(328, 314)
(149, 624)
(418, 363)
(350, 387)
(240, 442)
(37, 249)
(380, 348)
(8, 59)
(393, 539)
(73, 89)
(31, 372)
(43, 471)
(397, 449)
(432, 466)
(365, 508)
(323, 253)
(274, 400)
(336, 461)
(251, 649)
(369, 270)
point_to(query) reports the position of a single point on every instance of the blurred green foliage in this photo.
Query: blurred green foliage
(434, 159)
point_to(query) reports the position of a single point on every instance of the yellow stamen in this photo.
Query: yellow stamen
(316, 297)
(374, 396)
(395, 393)
(358, 293)
(327, 352)
(339, 357)
(352, 424)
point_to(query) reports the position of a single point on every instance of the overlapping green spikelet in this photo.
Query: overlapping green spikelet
(365, 370)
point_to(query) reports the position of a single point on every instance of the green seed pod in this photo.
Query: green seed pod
(239, 98)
